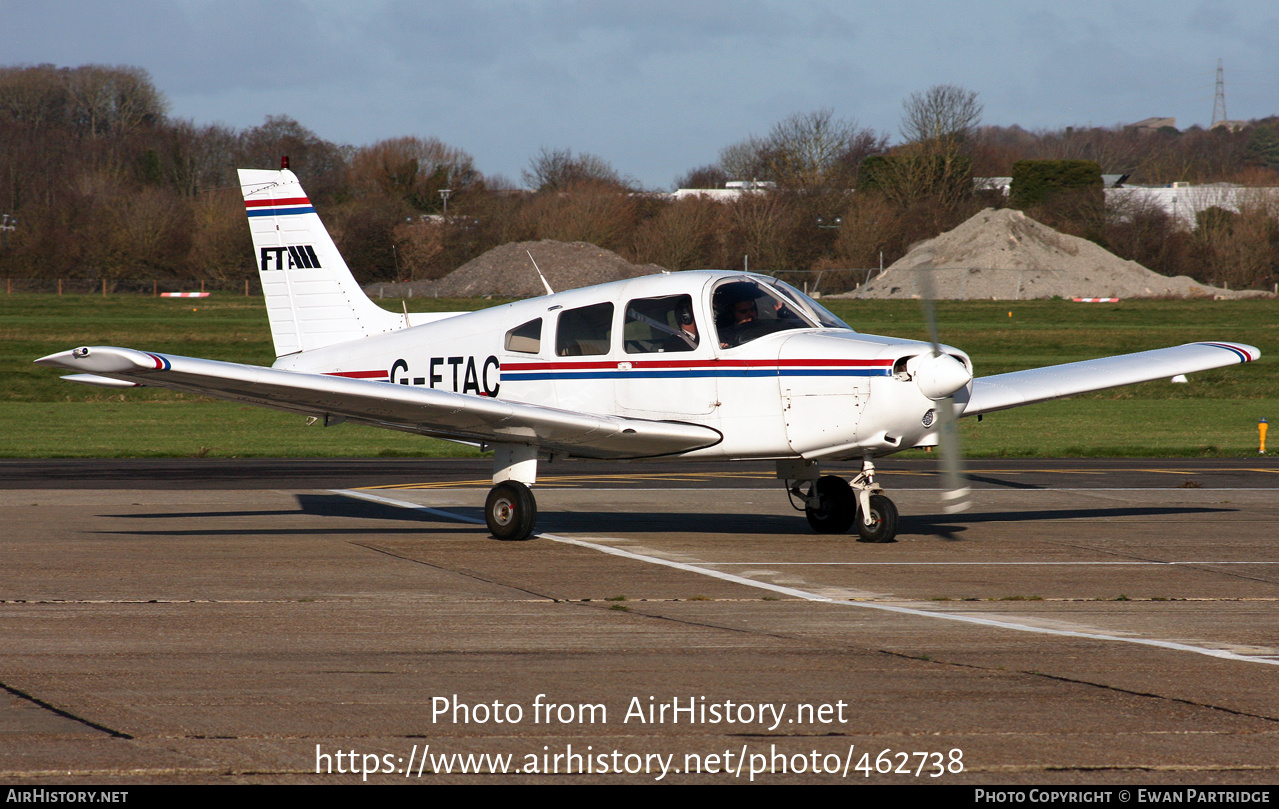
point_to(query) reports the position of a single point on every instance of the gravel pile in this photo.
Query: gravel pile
(506, 272)
(1005, 255)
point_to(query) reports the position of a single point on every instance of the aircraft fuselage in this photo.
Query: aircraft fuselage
(792, 388)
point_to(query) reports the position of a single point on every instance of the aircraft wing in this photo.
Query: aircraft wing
(415, 409)
(1002, 391)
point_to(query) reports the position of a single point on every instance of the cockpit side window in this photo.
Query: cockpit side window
(585, 331)
(746, 310)
(654, 325)
(526, 339)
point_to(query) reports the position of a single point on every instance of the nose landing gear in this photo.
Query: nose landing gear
(833, 505)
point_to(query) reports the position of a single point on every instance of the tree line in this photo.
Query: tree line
(103, 183)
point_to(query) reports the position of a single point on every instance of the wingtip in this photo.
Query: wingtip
(104, 360)
(1245, 352)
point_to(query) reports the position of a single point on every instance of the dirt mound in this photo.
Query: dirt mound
(506, 272)
(1005, 255)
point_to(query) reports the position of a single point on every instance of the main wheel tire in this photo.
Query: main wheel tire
(883, 527)
(837, 506)
(510, 511)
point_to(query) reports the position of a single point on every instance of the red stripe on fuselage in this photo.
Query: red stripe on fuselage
(359, 374)
(268, 203)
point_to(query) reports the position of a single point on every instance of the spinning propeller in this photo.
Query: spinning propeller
(940, 376)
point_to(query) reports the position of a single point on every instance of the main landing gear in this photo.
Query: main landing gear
(833, 505)
(511, 510)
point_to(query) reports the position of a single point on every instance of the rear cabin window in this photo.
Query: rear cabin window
(526, 339)
(585, 331)
(660, 325)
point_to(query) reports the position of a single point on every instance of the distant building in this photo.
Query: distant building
(1232, 126)
(1001, 184)
(1184, 201)
(731, 190)
(1004, 184)
(1153, 124)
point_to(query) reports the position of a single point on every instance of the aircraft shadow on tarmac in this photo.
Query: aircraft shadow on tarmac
(606, 522)
(947, 525)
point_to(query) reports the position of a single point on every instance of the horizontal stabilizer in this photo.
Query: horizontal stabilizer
(1002, 391)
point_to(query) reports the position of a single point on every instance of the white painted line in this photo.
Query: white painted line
(374, 498)
(772, 563)
(808, 596)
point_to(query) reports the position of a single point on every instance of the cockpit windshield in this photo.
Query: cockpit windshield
(748, 308)
(823, 316)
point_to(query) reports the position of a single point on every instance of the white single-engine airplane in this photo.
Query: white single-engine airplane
(699, 365)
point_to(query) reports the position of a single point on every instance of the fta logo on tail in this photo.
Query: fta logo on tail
(289, 258)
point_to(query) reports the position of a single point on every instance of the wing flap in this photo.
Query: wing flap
(422, 410)
(1002, 391)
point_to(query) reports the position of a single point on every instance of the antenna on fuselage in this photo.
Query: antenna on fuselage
(549, 291)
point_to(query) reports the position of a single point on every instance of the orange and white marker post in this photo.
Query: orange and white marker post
(1261, 428)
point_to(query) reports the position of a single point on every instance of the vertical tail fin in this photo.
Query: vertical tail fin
(312, 299)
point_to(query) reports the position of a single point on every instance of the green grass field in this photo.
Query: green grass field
(1216, 414)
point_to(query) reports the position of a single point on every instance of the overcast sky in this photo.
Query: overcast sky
(656, 88)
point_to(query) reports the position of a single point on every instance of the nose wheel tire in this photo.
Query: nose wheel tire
(510, 511)
(883, 527)
(836, 508)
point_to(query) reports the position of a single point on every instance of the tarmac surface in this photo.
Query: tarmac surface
(1088, 621)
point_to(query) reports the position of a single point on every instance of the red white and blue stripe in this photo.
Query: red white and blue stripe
(1234, 348)
(690, 369)
(278, 207)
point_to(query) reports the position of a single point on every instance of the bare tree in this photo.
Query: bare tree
(419, 243)
(221, 247)
(744, 161)
(681, 236)
(941, 113)
(280, 135)
(113, 100)
(816, 150)
(809, 152)
(558, 169)
(414, 170)
(599, 213)
(34, 96)
(711, 176)
(938, 125)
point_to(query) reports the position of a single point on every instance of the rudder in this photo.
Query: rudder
(312, 299)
